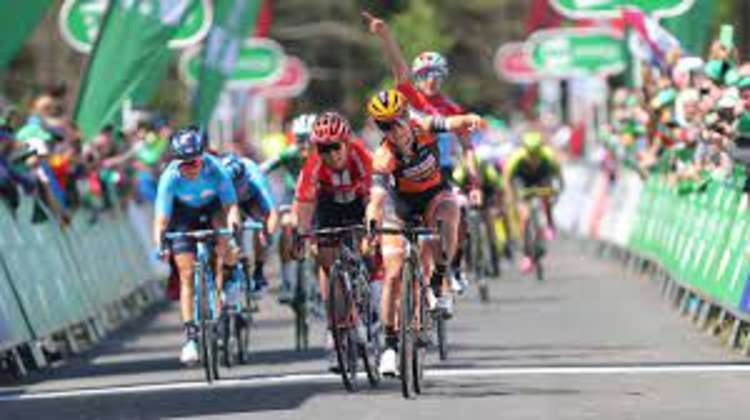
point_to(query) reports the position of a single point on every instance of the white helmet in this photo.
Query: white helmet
(429, 61)
(303, 124)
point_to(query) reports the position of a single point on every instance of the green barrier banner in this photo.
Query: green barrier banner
(235, 20)
(132, 47)
(18, 19)
(699, 234)
(51, 278)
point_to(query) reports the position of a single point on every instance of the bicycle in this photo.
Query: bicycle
(350, 311)
(205, 295)
(237, 318)
(478, 253)
(534, 239)
(414, 325)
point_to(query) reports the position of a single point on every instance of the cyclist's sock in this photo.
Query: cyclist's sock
(436, 282)
(391, 339)
(191, 330)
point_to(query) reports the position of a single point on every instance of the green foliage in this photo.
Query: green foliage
(420, 28)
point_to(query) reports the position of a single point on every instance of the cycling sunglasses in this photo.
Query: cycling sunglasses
(430, 74)
(190, 164)
(328, 148)
(386, 126)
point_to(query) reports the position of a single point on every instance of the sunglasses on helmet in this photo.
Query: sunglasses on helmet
(328, 148)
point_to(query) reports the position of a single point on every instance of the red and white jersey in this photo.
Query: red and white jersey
(424, 105)
(317, 182)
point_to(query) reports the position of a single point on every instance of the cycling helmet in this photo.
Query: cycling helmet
(532, 141)
(387, 105)
(429, 61)
(234, 166)
(188, 143)
(302, 125)
(330, 127)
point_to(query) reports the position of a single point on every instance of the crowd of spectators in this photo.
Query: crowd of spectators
(688, 121)
(43, 155)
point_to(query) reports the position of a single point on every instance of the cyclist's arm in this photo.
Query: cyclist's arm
(275, 163)
(509, 173)
(163, 207)
(549, 154)
(390, 47)
(382, 167)
(262, 194)
(306, 193)
(228, 198)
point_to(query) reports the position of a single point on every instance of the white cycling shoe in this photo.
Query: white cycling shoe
(388, 363)
(445, 306)
(189, 353)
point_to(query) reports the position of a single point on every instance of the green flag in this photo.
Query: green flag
(130, 50)
(233, 23)
(18, 19)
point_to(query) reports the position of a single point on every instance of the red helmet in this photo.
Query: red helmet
(330, 127)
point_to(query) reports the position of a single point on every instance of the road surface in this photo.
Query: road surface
(588, 343)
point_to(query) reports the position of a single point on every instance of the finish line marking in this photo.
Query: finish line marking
(19, 395)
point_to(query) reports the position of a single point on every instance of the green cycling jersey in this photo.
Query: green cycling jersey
(291, 160)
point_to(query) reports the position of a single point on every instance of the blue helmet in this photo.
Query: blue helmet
(188, 143)
(234, 166)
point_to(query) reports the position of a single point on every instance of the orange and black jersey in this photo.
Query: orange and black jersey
(409, 176)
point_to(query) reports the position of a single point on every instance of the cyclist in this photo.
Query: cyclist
(332, 190)
(408, 183)
(429, 70)
(255, 201)
(194, 192)
(291, 161)
(491, 179)
(533, 165)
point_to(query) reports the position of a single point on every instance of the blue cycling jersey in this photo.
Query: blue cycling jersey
(446, 146)
(213, 182)
(254, 187)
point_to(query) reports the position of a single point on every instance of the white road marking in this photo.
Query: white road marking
(19, 394)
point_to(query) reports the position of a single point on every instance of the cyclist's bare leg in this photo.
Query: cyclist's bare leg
(186, 267)
(325, 258)
(547, 204)
(447, 211)
(523, 218)
(393, 262)
(220, 249)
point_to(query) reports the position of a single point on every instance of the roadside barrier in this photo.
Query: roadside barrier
(689, 237)
(61, 288)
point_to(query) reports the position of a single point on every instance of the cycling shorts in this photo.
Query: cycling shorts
(185, 218)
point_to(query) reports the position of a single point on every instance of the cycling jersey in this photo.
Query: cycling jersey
(423, 105)
(212, 182)
(319, 182)
(291, 160)
(518, 166)
(254, 187)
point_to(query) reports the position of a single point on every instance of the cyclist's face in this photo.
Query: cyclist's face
(430, 84)
(401, 135)
(334, 155)
(191, 168)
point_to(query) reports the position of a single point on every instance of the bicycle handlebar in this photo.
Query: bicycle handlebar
(333, 231)
(537, 192)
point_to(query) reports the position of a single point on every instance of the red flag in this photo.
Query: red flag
(264, 19)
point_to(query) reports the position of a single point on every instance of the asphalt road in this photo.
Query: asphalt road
(587, 343)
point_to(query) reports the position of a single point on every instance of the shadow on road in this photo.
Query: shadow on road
(196, 402)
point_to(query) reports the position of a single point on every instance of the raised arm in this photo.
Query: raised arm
(391, 49)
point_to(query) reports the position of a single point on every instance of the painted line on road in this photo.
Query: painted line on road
(20, 394)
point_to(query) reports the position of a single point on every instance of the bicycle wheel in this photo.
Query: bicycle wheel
(243, 321)
(340, 306)
(368, 347)
(420, 353)
(206, 338)
(406, 330)
(300, 307)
